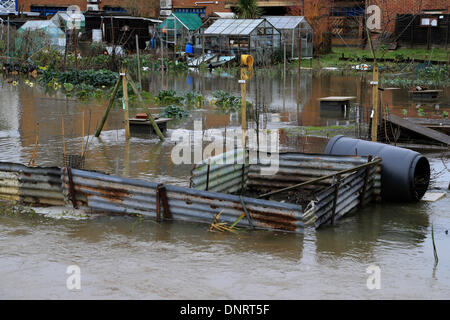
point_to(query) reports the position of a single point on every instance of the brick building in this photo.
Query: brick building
(206, 8)
(202, 8)
(347, 17)
(390, 9)
(148, 8)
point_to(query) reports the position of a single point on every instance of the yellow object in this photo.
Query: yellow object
(247, 60)
(246, 74)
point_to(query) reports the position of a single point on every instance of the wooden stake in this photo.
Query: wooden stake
(82, 134)
(374, 89)
(127, 158)
(284, 60)
(125, 98)
(138, 61)
(203, 45)
(32, 161)
(108, 108)
(75, 43)
(64, 143)
(375, 103)
(299, 55)
(243, 107)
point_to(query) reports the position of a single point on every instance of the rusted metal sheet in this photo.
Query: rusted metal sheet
(330, 198)
(331, 204)
(226, 172)
(30, 185)
(99, 192)
(105, 193)
(295, 168)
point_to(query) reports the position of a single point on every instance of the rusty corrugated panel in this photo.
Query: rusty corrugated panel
(295, 168)
(226, 172)
(30, 185)
(105, 193)
(348, 199)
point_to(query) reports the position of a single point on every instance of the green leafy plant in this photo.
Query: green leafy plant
(193, 99)
(168, 97)
(68, 87)
(248, 9)
(226, 101)
(421, 113)
(174, 111)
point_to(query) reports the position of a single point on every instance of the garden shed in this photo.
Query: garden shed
(257, 37)
(292, 29)
(179, 28)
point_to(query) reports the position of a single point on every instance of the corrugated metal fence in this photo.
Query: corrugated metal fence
(298, 167)
(226, 172)
(104, 193)
(36, 186)
(345, 184)
(326, 200)
(338, 191)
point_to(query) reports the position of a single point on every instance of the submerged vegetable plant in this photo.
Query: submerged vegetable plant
(176, 112)
(168, 97)
(226, 101)
(194, 99)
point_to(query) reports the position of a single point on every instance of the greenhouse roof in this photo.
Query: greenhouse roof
(233, 26)
(285, 22)
(44, 25)
(190, 21)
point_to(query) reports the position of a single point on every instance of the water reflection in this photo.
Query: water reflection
(278, 103)
(358, 236)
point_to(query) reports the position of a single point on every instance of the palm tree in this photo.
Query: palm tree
(248, 9)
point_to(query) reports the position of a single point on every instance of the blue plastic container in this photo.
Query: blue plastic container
(189, 48)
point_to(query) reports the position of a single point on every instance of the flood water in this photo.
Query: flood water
(120, 258)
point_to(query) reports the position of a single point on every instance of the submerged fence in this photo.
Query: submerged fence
(328, 188)
(226, 172)
(104, 193)
(98, 192)
(297, 167)
(36, 186)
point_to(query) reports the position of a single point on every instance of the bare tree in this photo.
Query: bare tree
(142, 8)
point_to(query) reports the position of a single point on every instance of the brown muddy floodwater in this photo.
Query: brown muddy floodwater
(120, 258)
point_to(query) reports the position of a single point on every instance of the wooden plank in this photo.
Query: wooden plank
(432, 196)
(419, 146)
(430, 122)
(147, 122)
(427, 132)
(425, 91)
(337, 98)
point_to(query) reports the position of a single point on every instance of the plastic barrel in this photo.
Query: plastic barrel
(405, 175)
(189, 48)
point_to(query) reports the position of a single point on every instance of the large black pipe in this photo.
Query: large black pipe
(405, 173)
